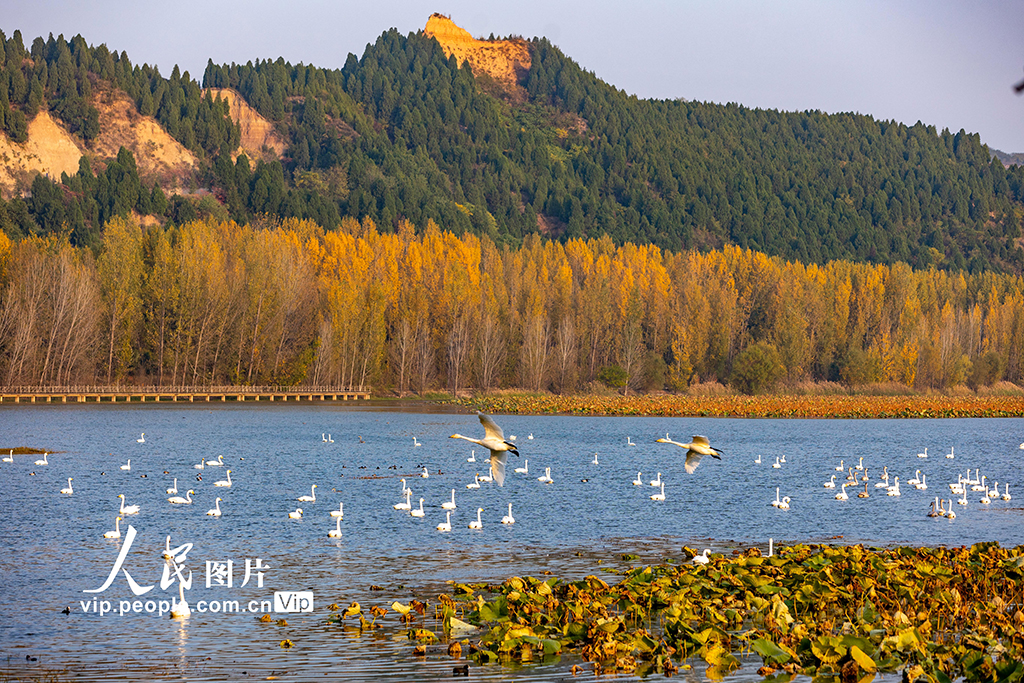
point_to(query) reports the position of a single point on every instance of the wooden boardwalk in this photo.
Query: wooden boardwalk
(114, 395)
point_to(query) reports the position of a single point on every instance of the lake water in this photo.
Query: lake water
(52, 547)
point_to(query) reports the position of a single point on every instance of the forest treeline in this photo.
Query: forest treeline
(212, 303)
(403, 133)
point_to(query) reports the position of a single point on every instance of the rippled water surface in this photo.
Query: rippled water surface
(52, 546)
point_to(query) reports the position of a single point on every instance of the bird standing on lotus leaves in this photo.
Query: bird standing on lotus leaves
(696, 449)
(494, 441)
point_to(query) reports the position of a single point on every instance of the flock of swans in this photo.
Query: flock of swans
(858, 475)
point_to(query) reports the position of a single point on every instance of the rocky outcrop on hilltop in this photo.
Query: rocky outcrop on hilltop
(506, 61)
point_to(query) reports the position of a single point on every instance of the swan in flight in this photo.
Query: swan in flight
(494, 441)
(638, 481)
(128, 466)
(546, 477)
(226, 483)
(218, 463)
(127, 509)
(174, 488)
(447, 524)
(525, 469)
(295, 515)
(476, 482)
(178, 500)
(215, 512)
(419, 511)
(141, 439)
(70, 490)
(42, 461)
(340, 512)
(509, 519)
(311, 498)
(697, 448)
(476, 523)
(336, 531)
(449, 504)
(660, 495)
(116, 533)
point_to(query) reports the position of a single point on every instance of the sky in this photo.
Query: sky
(946, 63)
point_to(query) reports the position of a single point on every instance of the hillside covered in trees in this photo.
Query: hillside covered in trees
(214, 303)
(406, 133)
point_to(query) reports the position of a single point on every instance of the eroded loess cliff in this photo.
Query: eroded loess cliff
(259, 138)
(506, 61)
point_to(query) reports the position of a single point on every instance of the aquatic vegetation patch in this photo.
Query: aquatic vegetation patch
(936, 614)
(829, 406)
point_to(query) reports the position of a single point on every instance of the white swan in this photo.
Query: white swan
(127, 509)
(595, 462)
(70, 490)
(702, 558)
(336, 531)
(449, 504)
(215, 512)
(985, 500)
(116, 533)
(509, 519)
(476, 482)
(486, 478)
(949, 513)
(9, 458)
(775, 503)
(330, 439)
(923, 455)
(839, 467)
(476, 523)
(128, 466)
(885, 476)
(629, 441)
(472, 456)
(494, 441)
(226, 483)
(340, 512)
(1005, 496)
(178, 500)
(916, 480)
(698, 447)
(404, 487)
(530, 437)
(784, 505)
(859, 465)
(778, 464)
(842, 493)
(660, 495)
(419, 511)
(311, 498)
(174, 487)
(757, 461)
(201, 466)
(180, 610)
(831, 483)
(407, 505)
(425, 474)
(415, 442)
(638, 481)
(219, 462)
(894, 490)
(167, 549)
(295, 515)
(546, 477)
(525, 469)
(142, 439)
(980, 486)
(42, 461)
(447, 524)
(923, 485)
(656, 481)
(994, 491)
(949, 456)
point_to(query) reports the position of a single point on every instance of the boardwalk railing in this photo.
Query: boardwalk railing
(175, 394)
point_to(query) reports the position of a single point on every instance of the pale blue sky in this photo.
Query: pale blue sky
(949, 64)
